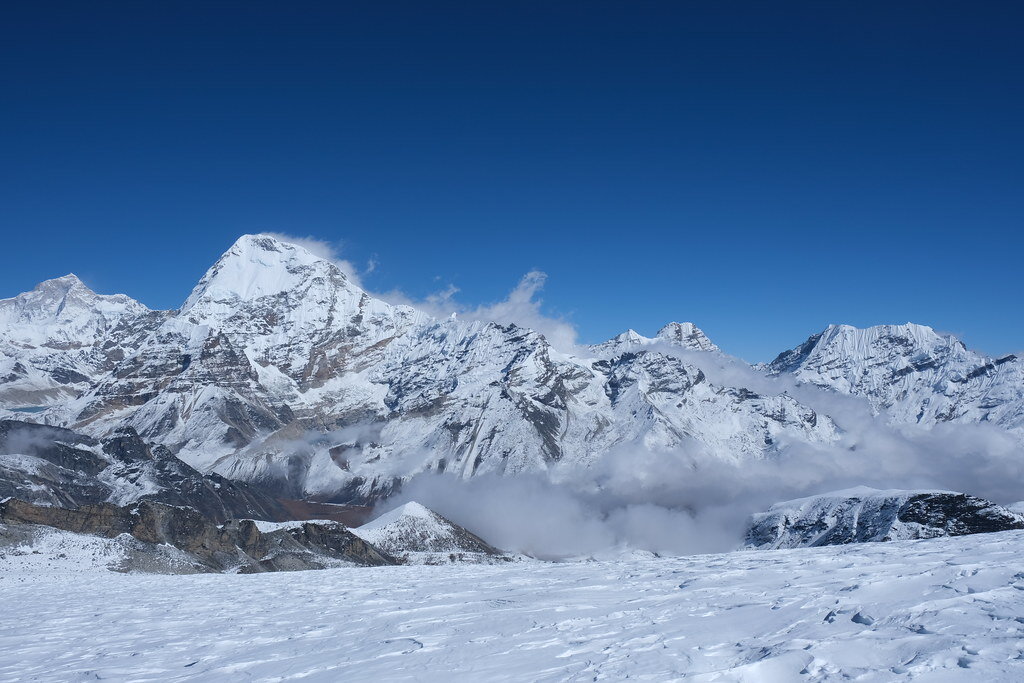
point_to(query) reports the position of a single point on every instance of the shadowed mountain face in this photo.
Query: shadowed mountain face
(279, 371)
(54, 466)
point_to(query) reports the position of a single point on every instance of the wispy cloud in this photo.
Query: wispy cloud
(523, 306)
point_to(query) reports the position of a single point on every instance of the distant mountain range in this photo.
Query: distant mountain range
(279, 371)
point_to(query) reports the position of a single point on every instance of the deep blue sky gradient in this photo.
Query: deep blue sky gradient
(762, 169)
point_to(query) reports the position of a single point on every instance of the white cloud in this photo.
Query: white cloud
(685, 501)
(521, 307)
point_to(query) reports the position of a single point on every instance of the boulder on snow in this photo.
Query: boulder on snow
(864, 515)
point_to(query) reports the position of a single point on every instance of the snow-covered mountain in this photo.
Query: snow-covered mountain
(278, 369)
(912, 374)
(683, 335)
(864, 515)
(59, 339)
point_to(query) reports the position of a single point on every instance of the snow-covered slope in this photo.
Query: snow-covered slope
(912, 374)
(863, 515)
(937, 610)
(419, 535)
(279, 369)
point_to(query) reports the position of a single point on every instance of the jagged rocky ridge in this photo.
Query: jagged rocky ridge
(864, 515)
(279, 371)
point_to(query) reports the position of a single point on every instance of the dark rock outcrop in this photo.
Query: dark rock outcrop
(865, 515)
(234, 546)
(212, 495)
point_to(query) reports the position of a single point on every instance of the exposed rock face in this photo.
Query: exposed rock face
(865, 515)
(235, 546)
(418, 535)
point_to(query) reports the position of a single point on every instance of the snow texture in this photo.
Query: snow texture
(936, 610)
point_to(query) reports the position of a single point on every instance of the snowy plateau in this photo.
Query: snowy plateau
(551, 511)
(947, 609)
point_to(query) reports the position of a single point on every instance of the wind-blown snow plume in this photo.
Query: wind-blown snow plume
(324, 250)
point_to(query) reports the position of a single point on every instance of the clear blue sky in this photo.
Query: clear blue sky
(762, 169)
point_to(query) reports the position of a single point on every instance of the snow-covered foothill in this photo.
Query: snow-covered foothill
(418, 535)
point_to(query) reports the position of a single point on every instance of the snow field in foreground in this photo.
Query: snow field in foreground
(935, 610)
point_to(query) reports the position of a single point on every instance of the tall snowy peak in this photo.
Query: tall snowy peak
(686, 335)
(258, 266)
(912, 373)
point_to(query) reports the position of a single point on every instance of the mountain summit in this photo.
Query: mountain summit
(912, 374)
